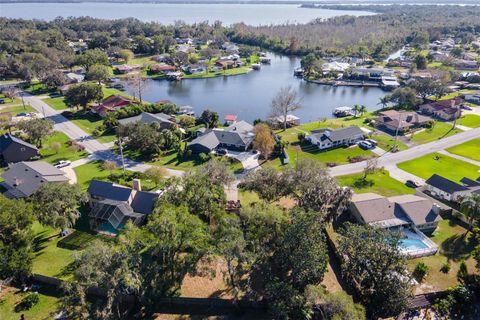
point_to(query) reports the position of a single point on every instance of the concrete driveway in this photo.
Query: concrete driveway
(70, 174)
(248, 159)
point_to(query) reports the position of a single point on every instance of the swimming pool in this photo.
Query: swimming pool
(412, 244)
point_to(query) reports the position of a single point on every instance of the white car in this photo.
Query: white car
(62, 164)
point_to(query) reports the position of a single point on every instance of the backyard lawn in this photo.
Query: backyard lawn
(45, 309)
(64, 153)
(379, 182)
(470, 120)
(454, 245)
(469, 149)
(440, 164)
(439, 130)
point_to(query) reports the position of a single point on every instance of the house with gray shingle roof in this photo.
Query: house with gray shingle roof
(449, 190)
(22, 179)
(113, 205)
(13, 149)
(238, 136)
(164, 120)
(327, 138)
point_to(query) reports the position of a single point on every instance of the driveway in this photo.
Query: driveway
(249, 160)
(70, 174)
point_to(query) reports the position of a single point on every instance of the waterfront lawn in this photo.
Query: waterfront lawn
(64, 153)
(470, 120)
(440, 130)
(469, 149)
(379, 182)
(46, 307)
(210, 74)
(107, 92)
(454, 245)
(337, 123)
(387, 142)
(445, 166)
(56, 103)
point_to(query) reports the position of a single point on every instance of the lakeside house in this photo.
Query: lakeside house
(165, 121)
(403, 210)
(238, 136)
(162, 68)
(13, 149)
(335, 66)
(127, 68)
(443, 188)
(291, 121)
(230, 119)
(401, 121)
(369, 74)
(228, 63)
(195, 68)
(327, 138)
(22, 179)
(230, 48)
(111, 104)
(112, 205)
(443, 109)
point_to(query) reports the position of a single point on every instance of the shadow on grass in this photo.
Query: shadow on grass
(39, 240)
(361, 183)
(459, 247)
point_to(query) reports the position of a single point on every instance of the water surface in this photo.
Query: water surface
(249, 95)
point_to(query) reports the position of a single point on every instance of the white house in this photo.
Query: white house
(449, 190)
(326, 138)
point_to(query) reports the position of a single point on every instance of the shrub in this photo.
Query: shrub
(28, 302)
(204, 157)
(420, 271)
(446, 267)
(301, 136)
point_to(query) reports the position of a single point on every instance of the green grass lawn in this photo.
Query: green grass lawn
(89, 122)
(455, 245)
(387, 142)
(64, 153)
(49, 259)
(56, 103)
(469, 149)
(37, 88)
(445, 166)
(92, 170)
(45, 309)
(210, 74)
(107, 92)
(9, 101)
(469, 120)
(17, 109)
(439, 131)
(379, 182)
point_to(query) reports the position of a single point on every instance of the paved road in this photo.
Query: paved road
(391, 159)
(97, 150)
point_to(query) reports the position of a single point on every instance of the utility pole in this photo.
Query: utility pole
(121, 153)
(396, 131)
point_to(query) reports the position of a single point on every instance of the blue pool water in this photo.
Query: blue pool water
(412, 244)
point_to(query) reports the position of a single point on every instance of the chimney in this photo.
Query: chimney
(137, 185)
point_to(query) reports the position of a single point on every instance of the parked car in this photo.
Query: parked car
(221, 151)
(62, 164)
(372, 142)
(22, 114)
(365, 145)
(411, 184)
(2, 101)
(54, 95)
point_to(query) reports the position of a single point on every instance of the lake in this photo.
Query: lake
(249, 95)
(253, 14)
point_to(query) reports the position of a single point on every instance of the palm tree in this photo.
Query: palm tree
(362, 110)
(470, 207)
(356, 108)
(384, 102)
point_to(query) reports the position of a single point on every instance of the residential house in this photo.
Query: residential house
(230, 48)
(238, 136)
(185, 48)
(13, 149)
(449, 190)
(290, 119)
(401, 121)
(444, 109)
(127, 68)
(335, 66)
(466, 64)
(369, 74)
(113, 205)
(184, 41)
(473, 98)
(226, 63)
(22, 179)
(195, 68)
(162, 68)
(327, 138)
(164, 120)
(393, 212)
(471, 56)
(230, 119)
(75, 77)
(112, 103)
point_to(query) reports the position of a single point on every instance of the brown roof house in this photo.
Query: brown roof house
(403, 121)
(409, 215)
(162, 68)
(112, 103)
(22, 179)
(444, 109)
